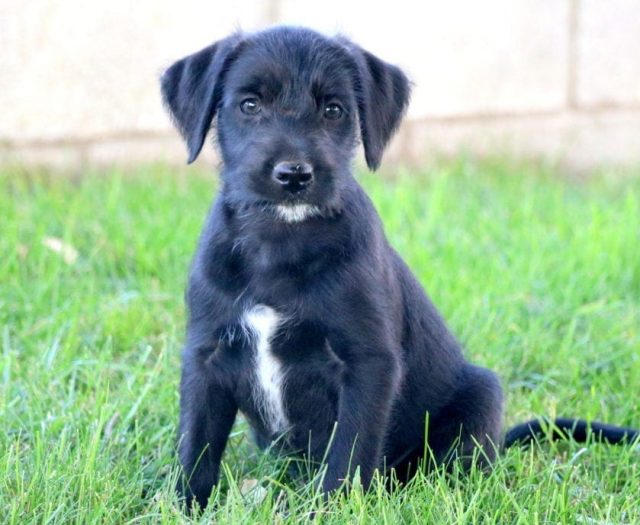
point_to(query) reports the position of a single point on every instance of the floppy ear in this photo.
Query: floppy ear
(382, 92)
(192, 89)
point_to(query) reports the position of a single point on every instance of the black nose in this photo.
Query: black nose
(293, 176)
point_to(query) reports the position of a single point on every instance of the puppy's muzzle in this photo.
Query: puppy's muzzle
(293, 176)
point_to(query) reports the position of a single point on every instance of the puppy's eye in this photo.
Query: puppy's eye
(250, 106)
(333, 111)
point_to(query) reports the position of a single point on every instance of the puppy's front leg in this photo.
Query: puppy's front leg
(370, 383)
(207, 413)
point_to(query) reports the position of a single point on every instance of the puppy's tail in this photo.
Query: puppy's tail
(573, 428)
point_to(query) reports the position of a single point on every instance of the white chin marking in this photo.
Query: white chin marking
(296, 212)
(262, 323)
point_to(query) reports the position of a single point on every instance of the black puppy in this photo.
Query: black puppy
(301, 314)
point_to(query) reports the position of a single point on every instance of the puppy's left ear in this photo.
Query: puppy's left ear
(192, 89)
(382, 92)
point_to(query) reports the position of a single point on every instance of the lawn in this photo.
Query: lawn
(538, 275)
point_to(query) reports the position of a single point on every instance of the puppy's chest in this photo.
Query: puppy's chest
(283, 268)
(267, 369)
(286, 363)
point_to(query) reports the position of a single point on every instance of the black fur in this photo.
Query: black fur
(363, 346)
(562, 427)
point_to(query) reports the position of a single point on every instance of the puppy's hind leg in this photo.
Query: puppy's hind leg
(471, 421)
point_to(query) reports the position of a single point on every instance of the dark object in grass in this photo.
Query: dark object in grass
(568, 428)
(301, 314)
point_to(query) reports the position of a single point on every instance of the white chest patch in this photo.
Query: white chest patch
(262, 323)
(297, 212)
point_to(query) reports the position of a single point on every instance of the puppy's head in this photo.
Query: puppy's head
(291, 106)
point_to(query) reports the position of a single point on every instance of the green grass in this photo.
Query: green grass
(539, 276)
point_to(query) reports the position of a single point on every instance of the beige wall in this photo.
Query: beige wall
(557, 78)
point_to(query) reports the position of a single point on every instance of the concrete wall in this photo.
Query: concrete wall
(553, 78)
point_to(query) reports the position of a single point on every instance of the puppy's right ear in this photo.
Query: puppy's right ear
(192, 89)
